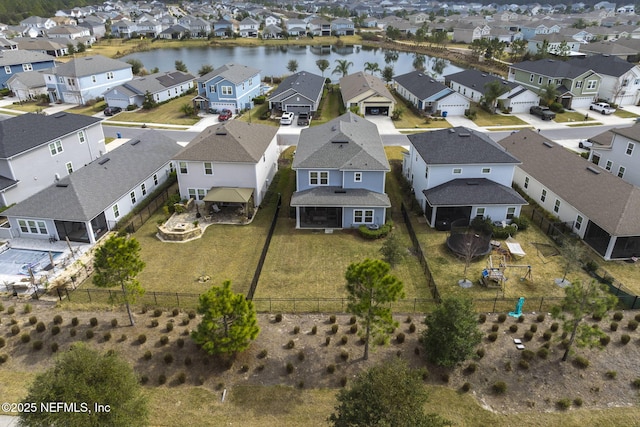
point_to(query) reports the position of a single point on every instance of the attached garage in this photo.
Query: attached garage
(297, 108)
(453, 107)
(377, 110)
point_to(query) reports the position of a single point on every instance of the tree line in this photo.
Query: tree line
(12, 11)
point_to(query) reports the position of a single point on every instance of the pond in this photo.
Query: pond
(273, 60)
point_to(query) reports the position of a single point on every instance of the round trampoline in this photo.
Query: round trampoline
(467, 242)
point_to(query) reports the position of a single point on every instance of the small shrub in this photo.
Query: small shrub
(11, 310)
(4, 358)
(57, 319)
(75, 321)
(480, 353)
(147, 355)
(617, 316)
(534, 328)
(495, 328)
(543, 352)
(344, 355)
(493, 336)
(331, 369)
(502, 317)
(613, 326)
(15, 330)
(106, 336)
(482, 318)
(54, 347)
(344, 340)
(624, 339)
(3, 342)
(301, 355)
(332, 318)
(528, 336)
(581, 362)
(314, 330)
(260, 368)
(142, 338)
(114, 323)
(400, 338)
(123, 338)
(513, 328)
(180, 342)
(290, 368)
(547, 335)
(144, 379)
(182, 378)
(291, 344)
(445, 378)
(185, 321)
(471, 368)
(611, 375)
(507, 366)
(169, 326)
(343, 381)
(353, 329)
(499, 387)
(637, 317)
(25, 338)
(157, 312)
(168, 358)
(353, 320)
(37, 345)
(564, 344)
(632, 325)
(40, 327)
(636, 383)
(278, 318)
(296, 330)
(72, 332)
(93, 322)
(162, 378)
(605, 340)
(27, 308)
(154, 323)
(164, 340)
(466, 387)
(262, 354)
(33, 320)
(89, 334)
(188, 361)
(334, 329)
(192, 314)
(597, 317)
(175, 312)
(527, 355)
(563, 404)
(554, 326)
(521, 319)
(412, 328)
(327, 341)
(577, 401)
(523, 364)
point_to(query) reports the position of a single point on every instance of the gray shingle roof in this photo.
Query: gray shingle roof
(12, 57)
(609, 201)
(357, 83)
(632, 132)
(233, 141)
(420, 84)
(89, 65)
(604, 64)
(156, 82)
(552, 68)
(459, 146)
(348, 142)
(86, 195)
(472, 191)
(233, 72)
(477, 79)
(30, 79)
(22, 133)
(304, 83)
(327, 196)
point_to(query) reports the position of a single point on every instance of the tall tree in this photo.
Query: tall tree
(228, 323)
(387, 73)
(572, 251)
(117, 263)
(419, 61)
(180, 66)
(563, 50)
(372, 67)
(323, 64)
(548, 94)
(390, 394)
(492, 91)
(579, 302)
(452, 332)
(371, 288)
(205, 69)
(518, 48)
(85, 375)
(136, 65)
(392, 250)
(542, 49)
(342, 67)
(292, 66)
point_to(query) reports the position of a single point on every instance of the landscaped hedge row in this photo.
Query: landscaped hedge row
(376, 234)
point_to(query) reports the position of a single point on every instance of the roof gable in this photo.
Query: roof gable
(234, 73)
(359, 83)
(304, 83)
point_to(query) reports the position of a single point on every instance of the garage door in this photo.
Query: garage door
(298, 108)
(376, 111)
(453, 109)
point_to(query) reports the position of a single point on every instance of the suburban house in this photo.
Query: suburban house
(37, 150)
(249, 27)
(577, 86)
(342, 27)
(320, 27)
(41, 25)
(86, 78)
(230, 86)
(70, 32)
(161, 86)
(54, 47)
(618, 153)
(296, 27)
(458, 173)
(81, 207)
(18, 61)
(605, 212)
(557, 44)
(472, 85)
(340, 175)
(467, 32)
(174, 32)
(367, 93)
(198, 27)
(620, 80)
(28, 85)
(272, 32)
(230, 163)
(299, 92)
(429, 95)
(223, 28)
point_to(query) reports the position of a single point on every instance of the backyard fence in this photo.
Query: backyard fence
(431, 283)
(265, 249)
(557, 231)
(139, 218)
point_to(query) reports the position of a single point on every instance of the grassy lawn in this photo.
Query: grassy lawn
(571, 116)
(330, 106)
(168, 113)
(509, 128)
(254, 116)
(625, 114)
(410, 120)
(579, 125)
(484, 118)
(28, 107)
(89, 110)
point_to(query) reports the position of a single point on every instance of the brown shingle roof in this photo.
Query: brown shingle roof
(357, 83)
(610, 202)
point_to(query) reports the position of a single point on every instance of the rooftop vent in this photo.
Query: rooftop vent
(473, 183)
(62, 184)
(547, 143)
(431, 81)
(103, 161)
(135, 142)
(340, 191)
(464, 135)
(484, 75)
(452, 131)
(339, 141)
(594, 170)
(57, 116)
(221, 132)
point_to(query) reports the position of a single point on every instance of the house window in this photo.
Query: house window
(531, 78)
(60, 79)
(212, 89)
(183, 167)
(70, 82)
(608, 165)
(636, 82)
(591, 84)
(93, 79)
(81, 137)
(556, 207)
(192, 193)
(486, 170)
(630, 148)
(543, 197)
(250, 81)
(578, 85)
(116, 211)
(7, 69)
(625, 82)
(526, 182)
(227, 90)
(621, 170)
(32, 227)
(578, 224)
(208, 168)
(69, 168)
(143, 189)
(511, 212)
(109, 75)
(540, 80)
(27, 67)
(318, 178)
(55, 148)
(201, 193)
(133, 197)
(363, 216)
(155, 179)
(457, 171)
(480, 212)
(357, 177)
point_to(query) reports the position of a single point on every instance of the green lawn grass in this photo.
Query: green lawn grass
(168, 113)
(625, 114)
(484, 118)
(255, 113)
(89, 110)
(410, 120)
(579, 125)
(571, 116)
(28, 107)
(330, 106)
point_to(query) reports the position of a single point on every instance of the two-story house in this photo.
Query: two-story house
(224, 28)
(621, 155)
(620, 79)
(198, 27)
(429, 95)
(340, 175)
(320, 27)
(466, 32)
(41, 25)
(232, 162)
(18, 61)
(296, 27)
(299, 92)
(577, 86)
(86, 78)
(458, 173)
(554, 43)
(249, 27)
(70, 32)
(81, 208)
(37, 150)
(230, 86)
(161, 87)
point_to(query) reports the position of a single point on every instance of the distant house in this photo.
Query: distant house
(231, 86)
(36, 150)
(86, 78)
(296, 27)
(198, 27)
(556, 42)
(467, 32)
(430, 96)
(249, 28)
(619, 155)
(367, 93)
(41, 25)
(271, 32)
(54, 47)
(19, 61)
(28, 85)
(299, 92)
(472, 85)
(174, 32)
(340, 175)
(81, 208)
(68, 32)
(458, 173)
(606, 215)
(320, 27)
(223, 28)
(342, 27)
(161, 86)
(232, 162)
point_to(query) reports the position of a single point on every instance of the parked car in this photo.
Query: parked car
(304, 119)
(286, 119)
(110, 111)
(225, 115)
(543, 112)
(586, 144)
(602, 107)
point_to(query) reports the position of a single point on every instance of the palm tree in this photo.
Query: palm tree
(492, 91)
(342, 67)
(548, 94)
(292, 66)
(373, 67)
(322, 64)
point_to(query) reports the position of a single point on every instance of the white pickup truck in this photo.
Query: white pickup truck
(602, 107)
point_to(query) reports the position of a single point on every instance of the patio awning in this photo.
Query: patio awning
(229, 195)
(199, 98)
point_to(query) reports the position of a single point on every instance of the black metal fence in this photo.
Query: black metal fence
(139, 218)
(557, 231)
(265, 249)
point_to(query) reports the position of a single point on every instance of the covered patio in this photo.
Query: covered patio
(222, 199)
